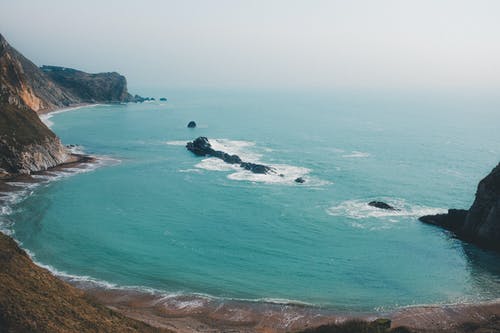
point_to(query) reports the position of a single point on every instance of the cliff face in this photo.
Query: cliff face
(483, 220)
(481, 223)
(26, 144)
(90, 88)
(22, 83)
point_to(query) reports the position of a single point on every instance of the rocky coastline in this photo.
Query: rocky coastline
(480, 224)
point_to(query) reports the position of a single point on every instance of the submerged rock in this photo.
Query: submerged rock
(163, 99)
(481, 223)
(191, 124)
(201, 147)
(381, 205)
(300, 180)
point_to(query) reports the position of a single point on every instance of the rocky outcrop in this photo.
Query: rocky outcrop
(201, 147)
(481, 223)
(453, 220)
(300, 180)
(191, 124)
(90, 88)
(381, 205)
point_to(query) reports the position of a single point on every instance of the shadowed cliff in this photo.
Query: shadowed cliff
(481, 223)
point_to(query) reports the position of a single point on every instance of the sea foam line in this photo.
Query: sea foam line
(45, 118)
(359, 209)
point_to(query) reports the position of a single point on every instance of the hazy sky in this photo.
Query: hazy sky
(420, 44)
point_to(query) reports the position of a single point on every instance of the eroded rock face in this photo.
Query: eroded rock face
(202, 147)
(26, 144)
(481, 223)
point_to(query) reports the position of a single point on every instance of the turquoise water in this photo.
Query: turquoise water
(153, 215)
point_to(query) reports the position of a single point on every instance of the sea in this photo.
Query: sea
(150, 215)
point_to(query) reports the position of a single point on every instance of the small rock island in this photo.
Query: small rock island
(201, 147)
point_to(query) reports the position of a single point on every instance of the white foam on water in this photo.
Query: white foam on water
(45, 118)
(237, 147)
(22, 190)
(283, 174)
(359, 209)
(246, 150)
(216, 164)
(190, 171)
(356, 154)
(76, 149)
(176, 143)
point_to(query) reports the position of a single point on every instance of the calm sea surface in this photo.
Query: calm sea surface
(153, 215)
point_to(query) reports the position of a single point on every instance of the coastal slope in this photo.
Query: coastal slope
(33, 300)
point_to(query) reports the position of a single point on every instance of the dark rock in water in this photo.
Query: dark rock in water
(481, 223)
(163, 99)
(192, 124)
(381, 205)
(453, 220)
(300, 180)
(255, 168)
(201, 147)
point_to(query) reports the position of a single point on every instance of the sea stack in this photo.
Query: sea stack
(191, 124)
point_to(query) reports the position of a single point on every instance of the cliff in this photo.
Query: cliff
(90, 88)
(481, 223)
(26, 144)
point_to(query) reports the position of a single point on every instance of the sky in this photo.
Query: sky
(434, 45)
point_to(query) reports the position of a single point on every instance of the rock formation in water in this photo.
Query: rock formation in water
(481, 223)
(191, 124)
(201, 147)
(300, 180)
(381, 205)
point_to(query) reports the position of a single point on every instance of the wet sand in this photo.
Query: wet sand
(202, 314)
(188, 314)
